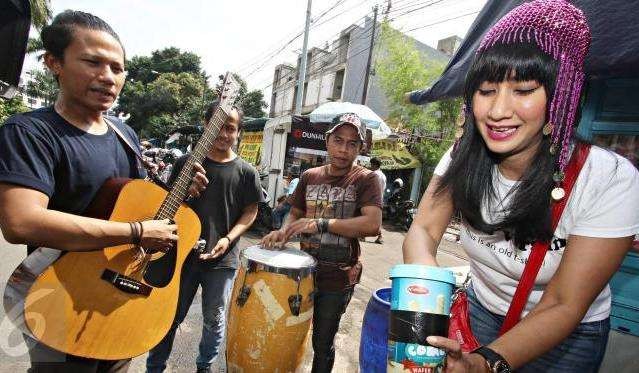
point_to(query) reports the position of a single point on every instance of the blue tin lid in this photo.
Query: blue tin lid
(423, 272)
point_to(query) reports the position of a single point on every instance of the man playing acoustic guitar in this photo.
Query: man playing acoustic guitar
(54, 160)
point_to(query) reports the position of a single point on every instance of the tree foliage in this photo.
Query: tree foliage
(169, 89)
(164, 91)
(401, 68)
(42, 85)
(169, 60)
(10, 107)
(40, 13)
(253, 104)
(35, 45)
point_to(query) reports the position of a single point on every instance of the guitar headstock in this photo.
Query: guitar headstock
(228, 91)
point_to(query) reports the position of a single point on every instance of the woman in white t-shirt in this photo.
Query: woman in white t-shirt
(522, 94)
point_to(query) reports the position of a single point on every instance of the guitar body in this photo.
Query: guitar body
(95, 304)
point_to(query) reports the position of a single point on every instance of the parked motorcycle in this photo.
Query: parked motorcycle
(398, 210)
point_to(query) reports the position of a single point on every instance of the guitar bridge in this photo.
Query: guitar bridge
(125, 283)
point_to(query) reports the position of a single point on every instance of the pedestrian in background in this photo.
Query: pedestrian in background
(375, 167)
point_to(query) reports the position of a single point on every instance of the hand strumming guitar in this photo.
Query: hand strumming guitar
(157, 235)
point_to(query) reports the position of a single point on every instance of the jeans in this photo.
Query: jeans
(580, 352)
(279, 214)
(217, 284)
(327, 313)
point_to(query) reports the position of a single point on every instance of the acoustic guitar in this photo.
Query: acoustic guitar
(117, 302)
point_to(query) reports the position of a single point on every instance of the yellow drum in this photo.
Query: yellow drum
(271, 310)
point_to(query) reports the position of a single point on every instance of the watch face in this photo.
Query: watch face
(501, 367)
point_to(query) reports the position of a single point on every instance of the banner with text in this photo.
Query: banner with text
(393, 155)
(250, 147)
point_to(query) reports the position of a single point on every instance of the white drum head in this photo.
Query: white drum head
(285, 258)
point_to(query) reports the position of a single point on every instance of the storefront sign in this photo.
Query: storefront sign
(305, 135)
(393, 155)
(250, 147)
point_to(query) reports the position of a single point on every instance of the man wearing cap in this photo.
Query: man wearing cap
(333, 205)
(375, 167)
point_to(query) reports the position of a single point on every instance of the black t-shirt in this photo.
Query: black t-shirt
(232, 186)
(42, 151)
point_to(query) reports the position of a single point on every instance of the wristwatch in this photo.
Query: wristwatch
(495, 362)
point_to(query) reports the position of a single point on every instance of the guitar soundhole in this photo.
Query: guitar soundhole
(160, 271)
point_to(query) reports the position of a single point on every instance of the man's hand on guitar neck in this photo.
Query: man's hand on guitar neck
(199, 181)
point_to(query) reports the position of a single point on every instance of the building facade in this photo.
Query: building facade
(337, 73)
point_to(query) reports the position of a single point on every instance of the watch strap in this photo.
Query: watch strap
(496, 362)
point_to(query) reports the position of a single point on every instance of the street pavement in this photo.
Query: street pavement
(622, 357)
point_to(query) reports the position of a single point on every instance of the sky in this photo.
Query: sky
(251, 36)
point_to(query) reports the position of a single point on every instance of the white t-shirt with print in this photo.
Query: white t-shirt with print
(604, 203)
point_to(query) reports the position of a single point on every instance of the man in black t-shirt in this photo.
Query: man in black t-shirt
(226, 209)
(54, 160)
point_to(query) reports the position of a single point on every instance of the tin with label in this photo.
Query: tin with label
(420, 307)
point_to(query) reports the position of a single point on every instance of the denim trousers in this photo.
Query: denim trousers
(217, 284)
(279, 214)
(328, 309)
(581, 352)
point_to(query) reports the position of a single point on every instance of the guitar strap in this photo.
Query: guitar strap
(146, 164)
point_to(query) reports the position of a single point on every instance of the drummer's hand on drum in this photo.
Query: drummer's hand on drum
(274, 240)
(220, 248)
(302, 225)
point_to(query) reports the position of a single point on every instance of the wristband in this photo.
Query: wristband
(322, 225)
(135, 233)
(227, 237)
(141, 232)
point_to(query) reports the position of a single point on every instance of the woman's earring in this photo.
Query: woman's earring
(547, 130)
(461, 119)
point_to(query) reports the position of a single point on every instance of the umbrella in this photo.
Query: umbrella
(325, 113)
(614, 50)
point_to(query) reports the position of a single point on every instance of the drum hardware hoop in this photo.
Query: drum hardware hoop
(293, 273)
(245, 292)
(295, 301)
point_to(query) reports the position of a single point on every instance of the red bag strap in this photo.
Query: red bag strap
(539, 249)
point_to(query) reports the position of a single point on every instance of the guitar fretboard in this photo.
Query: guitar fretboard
(181, 184)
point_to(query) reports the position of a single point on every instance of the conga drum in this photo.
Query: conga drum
(271, 310)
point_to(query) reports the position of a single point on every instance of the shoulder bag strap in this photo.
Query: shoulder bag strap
(539, 249)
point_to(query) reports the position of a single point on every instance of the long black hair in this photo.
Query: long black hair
(470, 175)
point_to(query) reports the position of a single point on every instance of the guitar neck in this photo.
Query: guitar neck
(181, 184)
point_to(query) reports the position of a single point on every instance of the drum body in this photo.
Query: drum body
(270, 310)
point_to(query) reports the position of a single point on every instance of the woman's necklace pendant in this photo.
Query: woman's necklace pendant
(558, 194)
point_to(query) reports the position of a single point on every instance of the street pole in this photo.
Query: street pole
(370, 56)
(302, 74)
